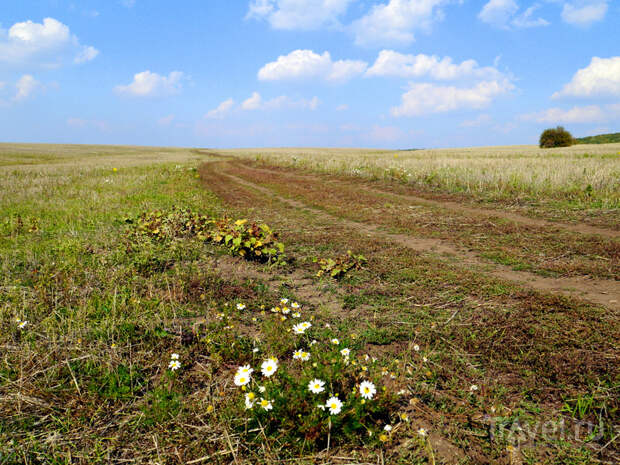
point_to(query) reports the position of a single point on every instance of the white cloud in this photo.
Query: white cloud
(26, 86)
(525, 19)
(256, 102)
(342, 107)
(586, 114)
(396, 21)
(298, 14)
(252, 103)
(128, 3)
(584, 12)
(148, 84)
(503, 14)
(391, 63)
(428, 98)
(600, 78)
(305, 64)
(48, 44)
(86, 54)
(498, 12)
(221, 110)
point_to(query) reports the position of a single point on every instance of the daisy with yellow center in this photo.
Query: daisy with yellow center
(269, 367)
(334, 405)
(367, 390)
(316, 386)
(335, 341)
(266, 404)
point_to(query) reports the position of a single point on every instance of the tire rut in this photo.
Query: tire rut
(487, 213)
(598, 291)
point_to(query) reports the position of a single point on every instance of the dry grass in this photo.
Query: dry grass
(584, 173)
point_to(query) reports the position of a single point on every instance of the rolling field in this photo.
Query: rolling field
(457, 306)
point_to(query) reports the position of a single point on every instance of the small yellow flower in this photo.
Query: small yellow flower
(383, 437)
(114, 169)
(210, 409)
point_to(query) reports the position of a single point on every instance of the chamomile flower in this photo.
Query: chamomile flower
(245, 370)
(301, 355)
(473, 388)
(240, 306)
(367, 390)
(316, 386)
(295, 305)
(22, 324)
(174, 356)
(306, 325)
(284, 301)
(286, 310)
(241, 379)
(422, 432)
(334, 405)
(262, 389)
(345, 352)
(296, 315)
(266, 404)
(301, 328)
(269, 367)
(416, 348)
(335, 341)
(387, 428)
(174, 365)
(249, 400)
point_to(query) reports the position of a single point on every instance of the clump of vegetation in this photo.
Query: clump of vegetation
(240, 237)
(555, 137)
(339, 266)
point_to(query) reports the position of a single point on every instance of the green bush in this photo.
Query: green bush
(558, 137)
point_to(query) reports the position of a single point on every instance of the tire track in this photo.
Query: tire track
(598, 291)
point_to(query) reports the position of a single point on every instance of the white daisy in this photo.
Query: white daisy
(240, 306)
(241, 379)
(174, 356)
(174, 365)
(345, 352)
(262, 389)
(286, 310)
(284, 301)
(249, 400)
(422, 432)
(473, 388)
(387, 428)
(367, 390)
(296, 315)
(316, 386)
(295, 305)
(334, 405)
(313, 342)
(266, 404)
(245, 369)
(335, 341)
(22, 324)
(269, 367)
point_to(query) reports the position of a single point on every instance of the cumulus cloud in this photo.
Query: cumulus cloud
(396, 22)
(503, 14)
(584, 12)
(26, 86)
(48, 44)
(526, 19)
(222, 109)
(306, 64)
(298, 14)
(256, 102)
(391, 63)
(584, 114)
(148, 84)
(600, 78)
(427, 98)
(498, 12)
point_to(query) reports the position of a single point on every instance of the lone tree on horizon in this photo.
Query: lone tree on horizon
(558, 137)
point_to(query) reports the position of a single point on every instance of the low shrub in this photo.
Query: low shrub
(339, 266)
(556, 137)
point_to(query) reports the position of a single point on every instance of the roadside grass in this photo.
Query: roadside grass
(582, 180)
(87, 379)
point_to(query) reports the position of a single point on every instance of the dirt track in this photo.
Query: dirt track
(599, 291)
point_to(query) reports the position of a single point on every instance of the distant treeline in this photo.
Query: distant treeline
(600, 139)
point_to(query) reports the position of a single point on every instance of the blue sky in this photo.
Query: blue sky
(360, 73)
